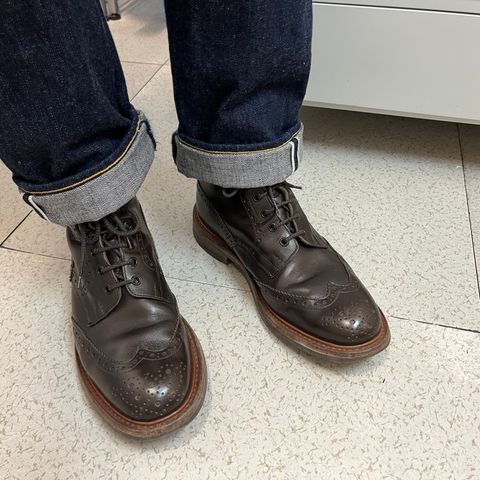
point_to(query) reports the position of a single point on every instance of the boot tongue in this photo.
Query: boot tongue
(309, 237)
(280, 194)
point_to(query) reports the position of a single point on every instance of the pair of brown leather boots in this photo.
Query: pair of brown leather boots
(140, 361)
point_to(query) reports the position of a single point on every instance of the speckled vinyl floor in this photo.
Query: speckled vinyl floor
(400, 198)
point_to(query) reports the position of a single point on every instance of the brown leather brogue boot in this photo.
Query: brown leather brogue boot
(140, 362)
(305, 292)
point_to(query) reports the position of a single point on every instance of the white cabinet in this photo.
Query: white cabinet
(396, 59)
(463, 6)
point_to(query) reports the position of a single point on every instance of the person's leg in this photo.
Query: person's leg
(240, 71)
(79, 152)
(76, 146)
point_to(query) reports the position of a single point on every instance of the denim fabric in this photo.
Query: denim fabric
(64, 105)
(242, 169)
(104, 193)
(240, 71)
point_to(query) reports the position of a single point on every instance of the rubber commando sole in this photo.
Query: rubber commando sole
(291, 335)
(186, 412)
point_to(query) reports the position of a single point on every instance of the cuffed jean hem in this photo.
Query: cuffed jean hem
(242, 169)
(105, 192)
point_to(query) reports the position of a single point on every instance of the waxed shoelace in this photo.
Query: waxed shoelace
(269, 213)
(112, 230)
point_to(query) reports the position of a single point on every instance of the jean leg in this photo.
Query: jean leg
(240, 71)
(76, 147)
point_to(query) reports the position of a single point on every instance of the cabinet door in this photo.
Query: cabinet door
(400, 61)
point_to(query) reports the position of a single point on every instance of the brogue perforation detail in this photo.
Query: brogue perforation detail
(133, 391)
(109, 365)
(333, 291)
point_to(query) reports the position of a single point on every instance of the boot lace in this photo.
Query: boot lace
(113, 233)
(282, 210)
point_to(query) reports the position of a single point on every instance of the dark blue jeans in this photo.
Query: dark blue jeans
(77, 148)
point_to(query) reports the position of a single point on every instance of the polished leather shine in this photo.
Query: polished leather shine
(300, 276)
(129, 335)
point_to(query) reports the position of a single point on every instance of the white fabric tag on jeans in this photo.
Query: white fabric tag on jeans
(37, 208)
(294, 154)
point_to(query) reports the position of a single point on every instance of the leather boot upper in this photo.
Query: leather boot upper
(301, 277)
(129, 334)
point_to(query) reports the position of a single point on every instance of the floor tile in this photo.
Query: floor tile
(35, 235)
(470, 140)
(137, 75)
(14, 209)
(141, 34)
(409, 413)
(389, 193)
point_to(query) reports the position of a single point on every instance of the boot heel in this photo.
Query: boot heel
(209, 241)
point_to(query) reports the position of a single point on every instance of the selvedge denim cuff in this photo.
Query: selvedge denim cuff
(103, 192)
(242, 169)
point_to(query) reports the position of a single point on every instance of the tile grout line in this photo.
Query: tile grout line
(11, 249)
(450, 327)
(15, 229)
(238, 289)
(468, 210)
(149, 80)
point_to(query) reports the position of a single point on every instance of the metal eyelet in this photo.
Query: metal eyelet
(107, 289)
(256, 197)
(135, 281)
(263, 213)
(133, 262)
(284, 241)
(272, 227)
